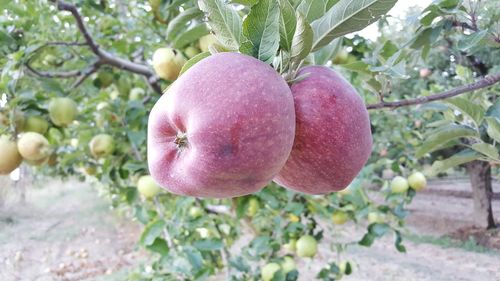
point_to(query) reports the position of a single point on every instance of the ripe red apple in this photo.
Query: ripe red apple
(333, 140)
(223, 129)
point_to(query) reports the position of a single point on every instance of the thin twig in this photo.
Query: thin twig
(166, 235)
(480, 84)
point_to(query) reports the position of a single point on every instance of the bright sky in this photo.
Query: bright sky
(399, 10)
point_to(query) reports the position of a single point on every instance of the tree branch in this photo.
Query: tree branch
(105, 58)
(480, 84)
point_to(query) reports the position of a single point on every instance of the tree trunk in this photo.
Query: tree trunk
(480, 179)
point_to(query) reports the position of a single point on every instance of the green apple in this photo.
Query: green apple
(33, 146)
(101, 145)
(375, 217)
(417, 181)
(191, 51)
(90, 169)
(399, 185)
(291, 246)
(148, 187)
(288, 264)
(307, 246)
(106, 78)
(62, 111)
(340, 217)
(168, 63)
(206, 41)
(136, 94)
(267, 272)
(10, 158)
(341, 57)
(36, 124)
(253, 207)
(195, 212)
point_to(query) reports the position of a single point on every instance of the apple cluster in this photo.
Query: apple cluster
(231, 124)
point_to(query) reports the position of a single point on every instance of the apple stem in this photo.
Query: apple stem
(181, 140)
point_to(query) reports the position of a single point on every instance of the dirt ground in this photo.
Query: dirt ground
(65, 231)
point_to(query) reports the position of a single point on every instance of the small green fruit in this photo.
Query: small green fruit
(36, 124)
(268, 271)
(340, 217)
(288, 264)
(168, 63)
(307, 246)
(136, 94)
(399, 185)
(375, 217)
(206, 41)
(101, 145)
(417, 181)
(10, 158)
(106, 78)
(291, 246)
(33, 146)
(253, 207)
(62, 111)
(148, 187)
(195, 212)
(191, 51)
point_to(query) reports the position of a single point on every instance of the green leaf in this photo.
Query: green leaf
(261, 29)
(443, 135)
(224, 21)
(467, 108)
(486, 149)
(152, 231)
(190, 36)
(460, 158)
(159, 246)
(425, 37)
(493, 128)
(367, 240)
(302, 40)
(469, 41)
(322, 56)
(208, 244)
(245, 2)
(314, 9)
(194, 60)
(288, 24)
(494, 110)
(348, 16)
(179, 23)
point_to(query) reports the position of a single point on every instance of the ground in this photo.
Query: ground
(66, 231)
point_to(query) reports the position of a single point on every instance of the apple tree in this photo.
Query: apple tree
(79, 79)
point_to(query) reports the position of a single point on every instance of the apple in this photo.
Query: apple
(267, 272)
(307, 246)
(223, 129)
(168, 63)
(291, 246)
(10, 158)
(106, 78)
(206, 41)
(90, 169)
(376, 217)
(191, 51)
(136, 94)
(37, 162)
(148, 187)
(340, 217)
(33, 146)
(101, 145)
(62, 111)
(417, 181)
(333, 140)
(399, 185)
(36, 124)
(253, 207)
(341, 57)
(195, 212)
(288, 265)
(425, 72)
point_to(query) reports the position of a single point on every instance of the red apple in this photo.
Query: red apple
(333, 140)
(223, 129)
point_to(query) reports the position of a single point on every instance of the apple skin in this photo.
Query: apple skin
(148, 187)
(10, 158)
(333, 138)
(33, 146)
(62, 111)
(223, 129)
(288, 264)
(340, 217)
(417, 181)
(168, 63)
(206, 41)
(36, 124)
(268, 271)
(101, 145)
(307, 246)
(399, 185)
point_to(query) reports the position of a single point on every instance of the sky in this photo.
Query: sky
(399, 10)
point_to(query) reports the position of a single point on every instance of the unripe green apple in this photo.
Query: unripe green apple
(33, 146)
(90, 169)
(106, 78)
(417, 181)
(191, 51)
(195, 212)
(62, 111)
(288, 264)
(10, 158)
(307, 246)
(376, 217)
(168, 63)
(206, 41)
(399, 185)
(36, 124)
(291, 246)
(267, 272)
(136, 93)
(340, 217)
(253, 207)
(101, 145)
(341, 57)
(148, 187)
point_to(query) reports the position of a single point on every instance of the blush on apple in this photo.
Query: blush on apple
(333, 139)
(223, 129)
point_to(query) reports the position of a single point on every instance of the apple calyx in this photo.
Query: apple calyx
(181, 140)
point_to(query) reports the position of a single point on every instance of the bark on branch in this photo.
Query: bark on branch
(480, 84)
